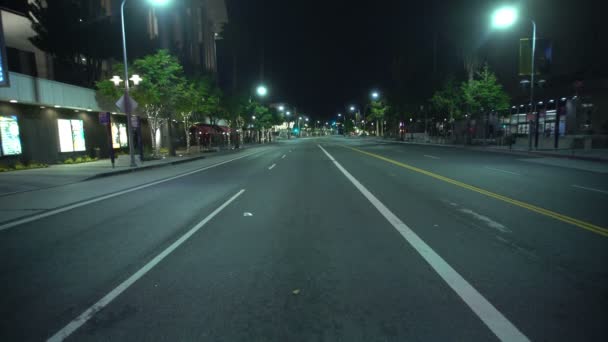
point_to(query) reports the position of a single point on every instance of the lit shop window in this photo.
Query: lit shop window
(71, 135)
(9, 136)
(119, 135)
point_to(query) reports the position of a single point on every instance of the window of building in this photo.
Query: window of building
(71, 135)
(9, 136)
(23, 62)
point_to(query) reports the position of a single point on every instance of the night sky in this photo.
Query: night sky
(323, 55)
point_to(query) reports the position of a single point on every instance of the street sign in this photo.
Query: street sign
(543, 56)
(134, 121)
(104, 118)
(121, 103)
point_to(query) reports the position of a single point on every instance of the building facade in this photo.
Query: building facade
(44, 120)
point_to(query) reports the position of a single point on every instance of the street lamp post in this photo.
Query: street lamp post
(356, 112)
(505, 17)
(536, 117)
(127, 102)
(375, 95)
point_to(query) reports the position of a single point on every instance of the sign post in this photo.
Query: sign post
(128, 105)
(136, 124)
(106, 119)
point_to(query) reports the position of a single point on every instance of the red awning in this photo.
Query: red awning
(224, 129)
(204, 129)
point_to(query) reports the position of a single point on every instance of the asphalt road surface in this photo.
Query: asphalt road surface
(321, 239)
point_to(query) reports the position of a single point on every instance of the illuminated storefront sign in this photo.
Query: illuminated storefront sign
(119, 135)
(71, 135)
(9, 136)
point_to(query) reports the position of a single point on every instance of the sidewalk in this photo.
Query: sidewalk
(596, 155)
(62, 174)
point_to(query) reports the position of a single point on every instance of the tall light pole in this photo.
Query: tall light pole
(505, 17)
(127, 102)
(355, 111)
(375, 95)
(343, 123)
(126, 96)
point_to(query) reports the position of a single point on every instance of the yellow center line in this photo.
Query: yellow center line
(581, 224)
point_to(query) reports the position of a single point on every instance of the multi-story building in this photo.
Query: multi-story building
(36, 109)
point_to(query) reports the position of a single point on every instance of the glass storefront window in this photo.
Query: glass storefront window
(119, 135)
(71, 135)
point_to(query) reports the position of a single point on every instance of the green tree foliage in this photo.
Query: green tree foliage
(157, 94)
(484, 94)
(378, 111)
(188, 103)
(265, 117)
(75, 33)
(447, 101)
(236, 108)
(162, 79)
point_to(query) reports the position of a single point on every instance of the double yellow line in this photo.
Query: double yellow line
(581, 224)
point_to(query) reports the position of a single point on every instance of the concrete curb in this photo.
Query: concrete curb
(142, 168)
(497, 150)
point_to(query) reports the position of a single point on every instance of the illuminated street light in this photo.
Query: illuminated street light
(339, 115)
(288, 113)
(116, 80)
(253, 117)
(375, 95)
(136, 79)
(281, 108)
(504, 17)
(126, 68)
(262, 90)
(352, 108)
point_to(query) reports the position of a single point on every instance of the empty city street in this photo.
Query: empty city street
(315, 239)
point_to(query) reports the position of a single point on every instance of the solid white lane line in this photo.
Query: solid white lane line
(505, 171)
(283, 157)
(493, 319)
(115, 194)
(272, 166)
(432, 157)
(590, 189)
(103, 302)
